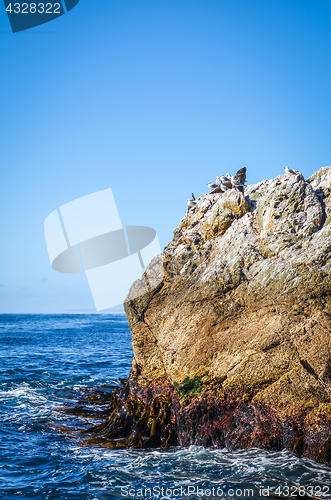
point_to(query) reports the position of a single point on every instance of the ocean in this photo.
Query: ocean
(48, 361)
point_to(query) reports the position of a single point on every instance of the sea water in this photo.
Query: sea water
(47, 359)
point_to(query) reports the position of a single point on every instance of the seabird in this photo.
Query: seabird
(191, 203)
(216, 190)
(241, 175)
(289, 171)
(218, 181)
(226, 180)
(212, 186)
(236, 184)
(224, 187)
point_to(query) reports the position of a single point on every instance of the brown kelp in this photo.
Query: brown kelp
(130, 422)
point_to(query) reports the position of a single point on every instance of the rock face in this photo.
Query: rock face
(243, 318)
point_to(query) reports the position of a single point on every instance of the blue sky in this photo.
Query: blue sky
(153, 99)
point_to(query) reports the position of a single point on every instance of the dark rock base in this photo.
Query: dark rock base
(215, 418)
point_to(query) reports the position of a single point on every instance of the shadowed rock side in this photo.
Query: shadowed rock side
(245, 310)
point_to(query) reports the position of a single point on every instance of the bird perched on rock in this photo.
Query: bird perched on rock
(226, 180)
(236, 184)
(224, 187)
(241, 175)
(223, 178)
(191, 203)
(212, 186)
(289, 171)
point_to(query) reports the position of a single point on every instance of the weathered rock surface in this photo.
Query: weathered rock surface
(245, 309)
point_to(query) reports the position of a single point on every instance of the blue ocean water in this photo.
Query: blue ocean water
(46, 360)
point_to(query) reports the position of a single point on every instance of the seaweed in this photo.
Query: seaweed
(130, 422)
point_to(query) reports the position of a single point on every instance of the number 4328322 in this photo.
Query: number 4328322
(34, 8)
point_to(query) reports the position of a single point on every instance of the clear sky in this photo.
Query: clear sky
(152, 98)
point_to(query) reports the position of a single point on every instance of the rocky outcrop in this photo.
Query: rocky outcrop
(239, 329)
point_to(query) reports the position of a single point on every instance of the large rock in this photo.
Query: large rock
(245, 309)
